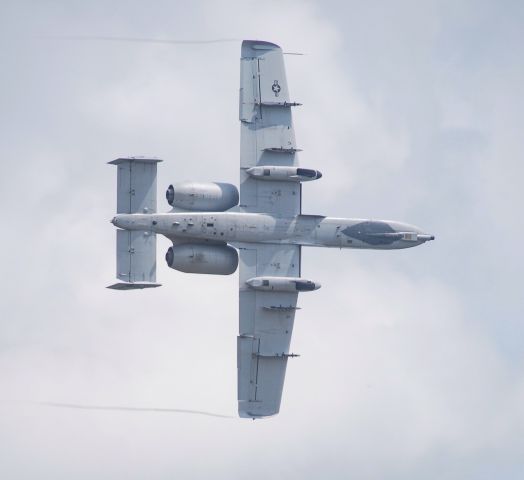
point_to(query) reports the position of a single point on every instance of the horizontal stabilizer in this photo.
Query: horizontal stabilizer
(135, 250)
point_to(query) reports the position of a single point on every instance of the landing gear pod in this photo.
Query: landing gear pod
(282, 284)
(284, 174)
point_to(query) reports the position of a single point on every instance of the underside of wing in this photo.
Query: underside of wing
(270, 184)
(267, 134)
(265, 328)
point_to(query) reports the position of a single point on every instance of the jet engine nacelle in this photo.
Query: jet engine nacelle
(209, 259)
(208, 197)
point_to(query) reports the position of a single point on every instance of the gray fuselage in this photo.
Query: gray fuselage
(307, 230)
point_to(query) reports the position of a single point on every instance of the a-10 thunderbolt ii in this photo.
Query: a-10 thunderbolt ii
(213, 228)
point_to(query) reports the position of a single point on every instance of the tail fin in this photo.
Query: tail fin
(135, 251)
(136, 184)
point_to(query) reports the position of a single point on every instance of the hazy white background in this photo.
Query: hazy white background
(412, 361)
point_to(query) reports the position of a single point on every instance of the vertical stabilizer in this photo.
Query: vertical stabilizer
(135, 251)
(136, 184)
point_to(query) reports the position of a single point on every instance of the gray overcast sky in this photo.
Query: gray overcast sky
(412, 361)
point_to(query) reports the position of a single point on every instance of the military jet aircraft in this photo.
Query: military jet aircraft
(213, 228)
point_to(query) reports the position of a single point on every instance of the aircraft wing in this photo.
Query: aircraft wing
(267, 136)
(266, 325)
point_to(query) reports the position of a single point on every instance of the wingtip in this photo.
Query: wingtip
(262, 43)
(256, 410)
(251, 48)
(255, 416)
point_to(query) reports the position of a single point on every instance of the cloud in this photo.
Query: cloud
(410, 360)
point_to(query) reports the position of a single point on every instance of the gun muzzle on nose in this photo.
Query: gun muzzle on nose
(425, 238)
